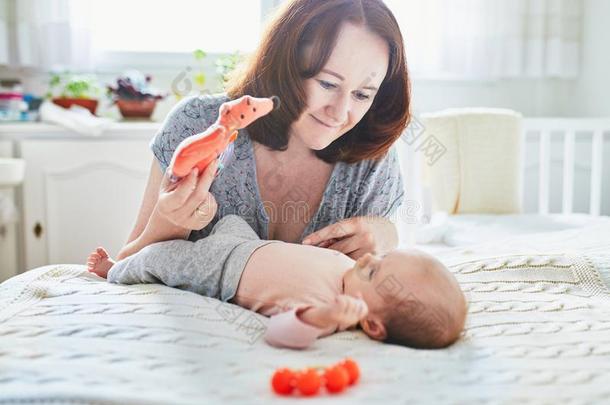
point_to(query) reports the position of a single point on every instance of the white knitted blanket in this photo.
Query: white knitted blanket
(538, 332)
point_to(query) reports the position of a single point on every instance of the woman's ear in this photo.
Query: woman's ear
(374, 328)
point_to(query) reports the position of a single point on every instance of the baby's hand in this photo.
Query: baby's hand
(347, 311)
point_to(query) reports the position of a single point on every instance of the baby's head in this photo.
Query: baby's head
(413, 299)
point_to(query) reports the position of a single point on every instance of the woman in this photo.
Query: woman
(320, 169)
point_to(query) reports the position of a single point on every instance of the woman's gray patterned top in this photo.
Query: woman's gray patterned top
(358, 189)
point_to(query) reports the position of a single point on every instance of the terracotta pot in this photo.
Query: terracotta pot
(89, 104)
(136, 108)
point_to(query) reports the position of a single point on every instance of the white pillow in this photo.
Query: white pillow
(480, 169)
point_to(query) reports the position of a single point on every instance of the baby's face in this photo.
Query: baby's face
(377, 277)
(402, 275)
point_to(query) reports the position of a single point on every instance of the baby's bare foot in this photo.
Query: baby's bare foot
(99, 262)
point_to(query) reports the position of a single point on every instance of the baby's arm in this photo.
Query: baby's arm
(300, 327)
(288, 329)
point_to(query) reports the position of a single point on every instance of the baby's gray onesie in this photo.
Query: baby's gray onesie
(211, 266)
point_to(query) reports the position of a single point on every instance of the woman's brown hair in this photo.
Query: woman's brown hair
(275, 68)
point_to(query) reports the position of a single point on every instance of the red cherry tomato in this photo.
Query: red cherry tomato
(309, 382)
(283, 381)
(352, 369)
(337, 378)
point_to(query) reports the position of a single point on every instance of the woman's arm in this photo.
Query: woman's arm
(171, 211)
(149, 200)
(149, 227)
(157, 229)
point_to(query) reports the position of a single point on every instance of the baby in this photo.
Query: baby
(406, 297)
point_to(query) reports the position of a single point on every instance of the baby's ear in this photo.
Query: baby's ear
(374, 328)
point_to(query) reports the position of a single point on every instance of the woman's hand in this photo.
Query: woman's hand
(188, 203)
(356, 236)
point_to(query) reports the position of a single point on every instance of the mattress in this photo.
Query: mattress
(538, 331)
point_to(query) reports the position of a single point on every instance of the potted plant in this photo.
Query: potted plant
(134, 96)
(66, 89)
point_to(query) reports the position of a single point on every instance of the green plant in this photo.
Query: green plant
(226, 64)
(199, 76)
(68, 85)
(186, 81)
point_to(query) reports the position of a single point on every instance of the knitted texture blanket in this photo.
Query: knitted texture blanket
(538, 331)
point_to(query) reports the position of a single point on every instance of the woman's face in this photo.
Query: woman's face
(340, 95)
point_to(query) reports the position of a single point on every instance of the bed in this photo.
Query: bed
(538, 327)
(538, 331)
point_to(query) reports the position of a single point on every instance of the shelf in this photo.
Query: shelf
(122, 129)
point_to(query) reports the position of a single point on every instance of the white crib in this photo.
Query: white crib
(545, 130)
(539, 134)
(543, 207)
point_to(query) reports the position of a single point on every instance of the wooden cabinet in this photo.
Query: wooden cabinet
(79, 194)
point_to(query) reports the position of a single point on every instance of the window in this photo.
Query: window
(484, 39)
(177, 26)
(421, 29)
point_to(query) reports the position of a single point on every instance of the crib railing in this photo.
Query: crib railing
(568, 128)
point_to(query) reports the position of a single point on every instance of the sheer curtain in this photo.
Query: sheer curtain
(4, 30)
(46, 34)
(490, 39)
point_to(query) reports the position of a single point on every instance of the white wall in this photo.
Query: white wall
(531, 97)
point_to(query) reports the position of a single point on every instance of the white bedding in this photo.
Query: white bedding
(538, 331)
(446, 232)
